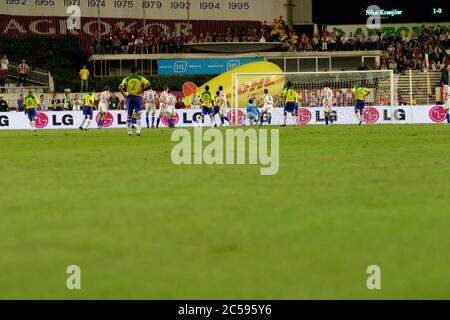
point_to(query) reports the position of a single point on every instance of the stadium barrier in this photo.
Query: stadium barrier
(191, 117)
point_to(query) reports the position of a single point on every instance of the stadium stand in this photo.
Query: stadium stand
(405, 53)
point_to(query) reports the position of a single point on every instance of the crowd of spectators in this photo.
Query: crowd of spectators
(155, 39)
(399, 52)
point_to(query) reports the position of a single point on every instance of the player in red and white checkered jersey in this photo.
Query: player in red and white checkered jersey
(150, 97)
(223, 106)
(326, 94)
(23, 72)
(104, 99)
(163, 98)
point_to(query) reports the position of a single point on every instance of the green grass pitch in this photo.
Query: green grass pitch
(345, 197)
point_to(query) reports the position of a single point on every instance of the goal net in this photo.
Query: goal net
(380, 83)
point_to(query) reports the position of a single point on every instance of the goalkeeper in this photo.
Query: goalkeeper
(360, 93)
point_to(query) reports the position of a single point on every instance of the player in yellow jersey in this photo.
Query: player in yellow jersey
(31, 105)
(360, 93)
(132, 88)
(207, 101)
(291, 103)
(88, 110)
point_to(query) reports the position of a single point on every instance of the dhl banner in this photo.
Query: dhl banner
(192, 117)
(249, 86)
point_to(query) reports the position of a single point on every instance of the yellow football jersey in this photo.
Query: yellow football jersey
(134, 84)
(31, 102)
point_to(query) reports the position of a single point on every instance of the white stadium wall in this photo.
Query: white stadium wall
(251, 10)
(189, 117)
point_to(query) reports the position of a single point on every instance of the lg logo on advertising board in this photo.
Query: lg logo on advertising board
(304, 116)
(109, 120)
(165, 119)
(398, 115)
(371, 115)
(56, 120)
(437, 114)
(232, 116)
(41, 121)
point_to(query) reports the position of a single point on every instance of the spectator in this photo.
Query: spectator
(363, 66)
(3, 74)
(55, 103)
(43, 103)
(325, 40)
(23, 73)
(66, 102)
(281, 22)
(116, 45)
(276, 28)
(180, 104)
(76, 104)
(3, 105)
(4, 63)
(351, 43)
(393, 65)
(139, 44)
(124, 43)
(374, 41)
(20, 103)
(84, 77)
(97, 45)
(115, 101)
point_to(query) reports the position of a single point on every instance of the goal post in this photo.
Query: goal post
(380, 83)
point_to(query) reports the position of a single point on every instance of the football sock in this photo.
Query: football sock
(222, 120)
(269, 118)
(285, 117)
(147, 120)
(294, 119)
(213, 121)
(261, 120)
(129, 123)
(157, 122)
(88, 122)
(139, 125)
(448, 117)
(32, 124)
(153, 121)
(134, 121)
(82, 124)
(326, 120)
